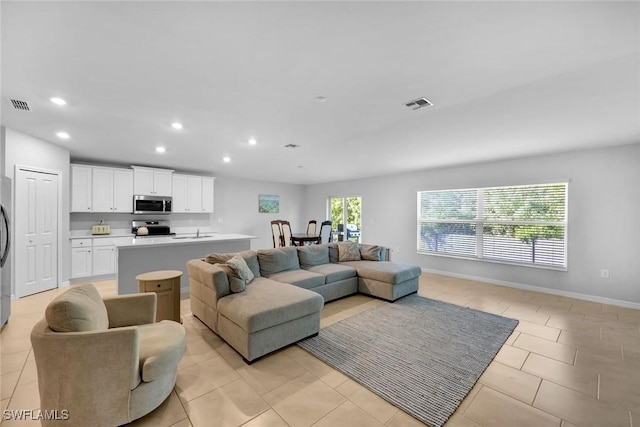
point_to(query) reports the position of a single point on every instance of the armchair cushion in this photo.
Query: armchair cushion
(79, 309)
(131, 310)
(161, 346)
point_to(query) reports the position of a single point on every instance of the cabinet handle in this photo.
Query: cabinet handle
(158, 285)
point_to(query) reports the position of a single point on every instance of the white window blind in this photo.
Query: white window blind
(516, 224)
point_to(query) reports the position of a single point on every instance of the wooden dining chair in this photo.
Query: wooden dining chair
(276, 231)
(325, 232)
(311, 227)
(286, 233)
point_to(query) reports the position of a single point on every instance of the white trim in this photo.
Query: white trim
(592, 298)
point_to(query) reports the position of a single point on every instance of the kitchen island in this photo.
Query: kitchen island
(142, 255)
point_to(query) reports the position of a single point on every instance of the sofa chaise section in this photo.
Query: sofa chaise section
(385, 279)
(265, 316)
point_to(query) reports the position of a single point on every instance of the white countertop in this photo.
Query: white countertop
(183, 239)
(101, 236)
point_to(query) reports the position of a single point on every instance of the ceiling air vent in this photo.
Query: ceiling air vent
(291, 146)
(19, 105)
(416, 104)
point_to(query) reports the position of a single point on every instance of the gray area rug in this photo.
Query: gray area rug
(421, 355)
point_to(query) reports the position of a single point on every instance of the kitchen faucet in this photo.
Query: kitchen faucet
(198, 233)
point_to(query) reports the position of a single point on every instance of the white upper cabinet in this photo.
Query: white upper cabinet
(101, 189)
(80, 188)
(179, 193)
(122, 190)
(151, 181)
(192, 194)
(207, 195)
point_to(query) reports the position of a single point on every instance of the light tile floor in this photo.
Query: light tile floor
(568, 363)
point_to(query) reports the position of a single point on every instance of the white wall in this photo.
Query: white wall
(603, 230)
(236, 208)
(24, 150)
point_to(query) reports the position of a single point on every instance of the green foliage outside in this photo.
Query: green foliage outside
(354, 211)
(502, 205)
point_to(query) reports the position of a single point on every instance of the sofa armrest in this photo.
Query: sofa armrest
(131, 310)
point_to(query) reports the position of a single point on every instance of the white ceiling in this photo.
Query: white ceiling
(508, 79)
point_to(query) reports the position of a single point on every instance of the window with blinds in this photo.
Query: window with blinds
(516, 224)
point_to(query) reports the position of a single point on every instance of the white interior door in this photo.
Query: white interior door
(36, 253)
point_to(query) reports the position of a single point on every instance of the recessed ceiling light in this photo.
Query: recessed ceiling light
(160, 149)
(226, 159)
(321, 98)
(62, 135)
(176, 125)
(252, 141)
(58, 101)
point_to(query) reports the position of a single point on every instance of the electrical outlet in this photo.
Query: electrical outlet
(604, 274)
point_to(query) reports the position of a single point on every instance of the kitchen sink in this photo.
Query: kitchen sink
(192, 237)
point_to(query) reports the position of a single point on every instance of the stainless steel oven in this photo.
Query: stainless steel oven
(151, 205)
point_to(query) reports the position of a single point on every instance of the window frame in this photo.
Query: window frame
(479, 223)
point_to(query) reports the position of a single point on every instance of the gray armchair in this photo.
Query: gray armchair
(105, 362)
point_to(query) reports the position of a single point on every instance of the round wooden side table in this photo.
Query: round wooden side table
(166, 285)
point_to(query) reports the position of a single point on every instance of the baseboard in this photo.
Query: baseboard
(584, 297)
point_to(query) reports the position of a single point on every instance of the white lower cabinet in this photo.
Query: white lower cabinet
(80, 262)
(104, 257)
(94, 257)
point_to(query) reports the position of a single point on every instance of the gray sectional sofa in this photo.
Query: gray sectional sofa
(280, 301)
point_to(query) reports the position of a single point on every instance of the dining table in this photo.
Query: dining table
(299, 239)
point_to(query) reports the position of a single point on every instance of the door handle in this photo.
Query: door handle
(5, 254)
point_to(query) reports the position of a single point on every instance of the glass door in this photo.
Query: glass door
(346, 220)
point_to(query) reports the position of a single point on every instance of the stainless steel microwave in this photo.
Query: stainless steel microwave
(151, 205)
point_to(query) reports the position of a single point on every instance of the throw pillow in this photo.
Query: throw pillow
(370, 252)
(240, 268)
(348, 251)
(236, 284)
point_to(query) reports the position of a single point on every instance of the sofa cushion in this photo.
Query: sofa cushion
(77, 310)
(274, 261)
(385, 271)
(370, 252)
(251, 258)
(333, 272)
(160, 348)
(313, 255)
(301, 278)
(348, 251)
(268, 303)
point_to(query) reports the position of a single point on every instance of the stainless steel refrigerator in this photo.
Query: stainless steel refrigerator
(5, 249)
